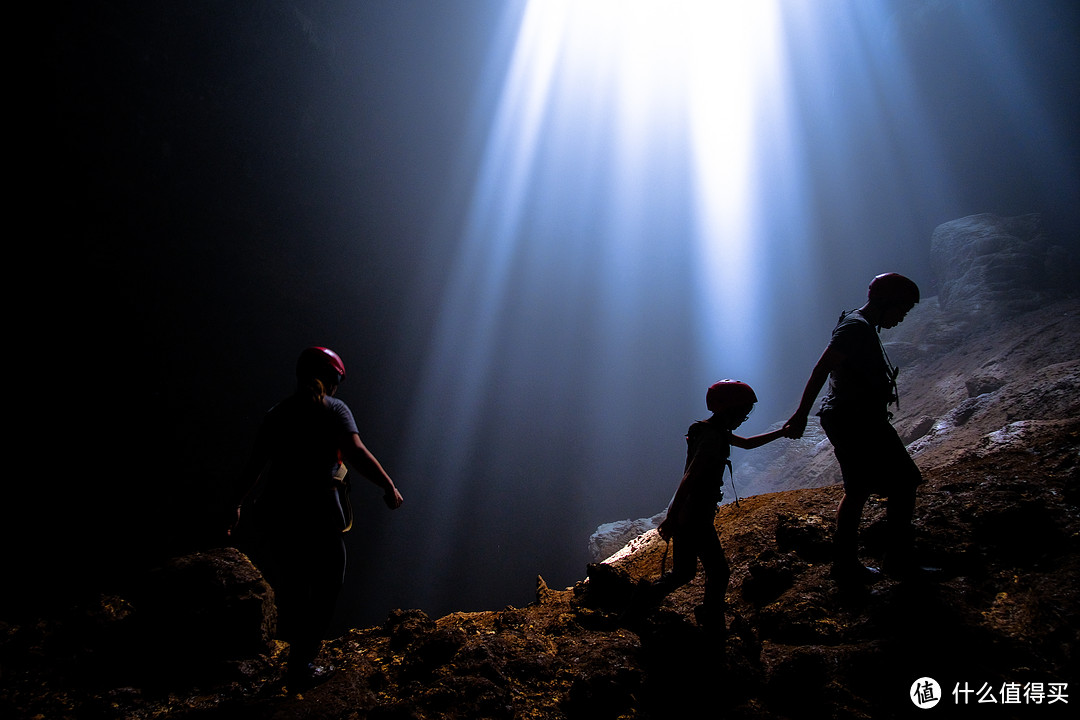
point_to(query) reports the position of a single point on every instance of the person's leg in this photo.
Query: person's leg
(328, 576)
(901, 477)
(684, 554)
(284, 570)
(850, 445)
(846, 539)
(900, 514)
(856, 444)
(323, 575)
(717, 575)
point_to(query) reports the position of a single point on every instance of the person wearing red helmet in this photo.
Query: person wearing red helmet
(300, 512)
(855, 416)
(689, 523)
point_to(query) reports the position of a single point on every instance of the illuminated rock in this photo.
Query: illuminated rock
(990, 265)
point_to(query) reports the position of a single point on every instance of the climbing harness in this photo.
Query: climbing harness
(667, 541)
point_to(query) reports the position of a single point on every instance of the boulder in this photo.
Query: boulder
(204, 612)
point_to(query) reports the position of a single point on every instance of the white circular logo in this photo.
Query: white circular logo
(925, 693)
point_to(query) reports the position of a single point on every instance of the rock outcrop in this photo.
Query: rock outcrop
(202, 619)
(204, 608)
(988, 266)
(609, 538)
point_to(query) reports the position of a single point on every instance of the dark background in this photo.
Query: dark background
(205, 188)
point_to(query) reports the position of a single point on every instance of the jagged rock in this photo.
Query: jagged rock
(991, 265)
(610, 537)
(406, 626)
(984, 382)
(544, 593)
(204, 608)
(204, 617)
(915, 428)
(768, 576)
(810, 536)
(604, 695)
(608, 585)
(431, 651)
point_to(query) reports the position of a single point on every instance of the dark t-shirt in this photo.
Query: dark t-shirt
(707, 449)
(302, 440)
(862, 385)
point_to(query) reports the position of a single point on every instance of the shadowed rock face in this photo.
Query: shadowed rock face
(991, 265)
(992, 414)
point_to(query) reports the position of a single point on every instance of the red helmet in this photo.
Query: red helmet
(727, 394)
(893, 287)
(319, 362)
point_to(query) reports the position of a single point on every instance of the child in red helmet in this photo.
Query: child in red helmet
(690, 518)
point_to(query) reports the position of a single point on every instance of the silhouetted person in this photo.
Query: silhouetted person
(690, 520)
(301, 510)
(855, 416)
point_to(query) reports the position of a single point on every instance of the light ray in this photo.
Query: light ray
(614, 194)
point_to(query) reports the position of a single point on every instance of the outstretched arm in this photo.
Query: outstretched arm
(365, 463)
(756, 441)
(796, 424)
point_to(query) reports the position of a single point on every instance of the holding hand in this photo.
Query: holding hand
(794, 427)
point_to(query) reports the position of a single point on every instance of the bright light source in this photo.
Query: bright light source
(611, 221)
(666, 92)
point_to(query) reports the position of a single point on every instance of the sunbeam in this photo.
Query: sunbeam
(660, 194)
(610, 228)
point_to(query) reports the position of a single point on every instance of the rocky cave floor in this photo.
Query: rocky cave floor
(1000, 520)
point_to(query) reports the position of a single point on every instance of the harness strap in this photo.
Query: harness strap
(732, 472)
(891, 370)
(667, 541)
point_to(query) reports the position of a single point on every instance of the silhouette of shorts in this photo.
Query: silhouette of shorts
(872, 456)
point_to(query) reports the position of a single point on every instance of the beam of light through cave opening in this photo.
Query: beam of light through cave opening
(731, 77)
(615, 183)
